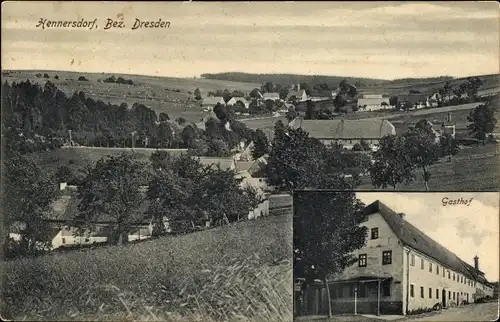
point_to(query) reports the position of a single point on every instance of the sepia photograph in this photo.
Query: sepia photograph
(368, 256)
(150, 152)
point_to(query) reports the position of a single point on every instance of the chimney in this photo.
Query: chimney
(476, 262)
(298, 87)
(402, 215)
(449, 117)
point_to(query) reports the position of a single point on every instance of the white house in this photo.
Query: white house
(209, 103)
(400, 269)
(271, 96)
(234, 100)
(374, 103)
(299, 94)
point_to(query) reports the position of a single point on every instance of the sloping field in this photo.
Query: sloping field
(162, 94)
(243, 269)
(472, 169)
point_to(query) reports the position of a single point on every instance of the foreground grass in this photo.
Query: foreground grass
(239, 272)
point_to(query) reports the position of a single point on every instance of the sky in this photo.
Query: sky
(467, 231)
(384, 40)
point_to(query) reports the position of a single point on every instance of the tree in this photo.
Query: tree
(64, 174)
(391, 164)
(393, 100)
(482, 121)
(421, 148)
(197, 94)
(82, 78)
(283, 92)
(112, 190)
(164, 117)
(291, 114)
(254, 107)
(447, 90)
(326, 231)
(267, 87)
(311, 113)
(449, 146)
(27, 195)
(306, 88)
(181, 120)
(56, 77)
(261, 144)
(255, 93)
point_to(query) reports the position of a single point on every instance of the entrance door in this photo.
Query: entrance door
(443, 297)
(467, 297)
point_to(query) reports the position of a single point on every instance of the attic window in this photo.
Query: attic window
(415, 240)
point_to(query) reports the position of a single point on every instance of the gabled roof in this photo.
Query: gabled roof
(225, 163)
(413, 98)
(413, 237)
(212, 100)
(273, 96)
(345, 129)
(233, 100)
(372, 101)
(296, 93)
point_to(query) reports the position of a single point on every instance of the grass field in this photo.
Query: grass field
(173, 96)
(472, 169)
(240, 272)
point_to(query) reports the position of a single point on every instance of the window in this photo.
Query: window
(87, 239)
(64, 240)
(437, 269)
(430, 292)
(453, 276)
(448, 274)
(421, 291)
(412, 291)
(453, 295)
(386, 288)
(386, 257)
(449, 295)
(374, 233)
(362, 260)
(443, 271)
(437, 293)
(422, 263)
(412, 261)
(430, 267)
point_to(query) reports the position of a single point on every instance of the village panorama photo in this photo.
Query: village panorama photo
(150, 152)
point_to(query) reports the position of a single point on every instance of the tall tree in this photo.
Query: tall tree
(261, 144)
(112, 190)
(391, 164)
(197, 94)
(482, 121)
(449, 146)
(423, 150)
(27, 194)
(326, 231)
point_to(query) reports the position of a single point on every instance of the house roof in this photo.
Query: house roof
(418, 240)
(413, 98)
(274, 96)
(372, 96)
(225, 163)
(233, 100)
(372, 101)
(258, 165)
(212, 100)
(296, 93)
(345, 129)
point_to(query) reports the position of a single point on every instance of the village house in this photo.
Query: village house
(234, 100)
(374, 102)
(400, 269)
(298, 95)
(346, 132)
(417, 101)
(209, 103)
(271, 96)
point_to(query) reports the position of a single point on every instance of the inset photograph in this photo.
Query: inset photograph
(365, 256)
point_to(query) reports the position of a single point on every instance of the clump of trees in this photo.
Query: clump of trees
(482, 121)
(119, 80)
(82, 79)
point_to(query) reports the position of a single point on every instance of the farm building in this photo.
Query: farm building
(234, 100)
(399, 269)
(374, 103)
(271, 96)
(299, 95)
(346, 132)
(417, 100)
(210, 102)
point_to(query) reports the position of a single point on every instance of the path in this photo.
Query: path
(473, 312)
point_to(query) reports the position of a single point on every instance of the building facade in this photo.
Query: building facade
(399, 270)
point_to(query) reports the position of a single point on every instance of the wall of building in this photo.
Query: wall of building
(374, 248)
(349, 143)
(429, 278)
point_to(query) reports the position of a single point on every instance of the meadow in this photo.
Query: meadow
(170, 95)
(240, 272)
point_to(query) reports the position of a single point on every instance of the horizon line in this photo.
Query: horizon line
(240, 72)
